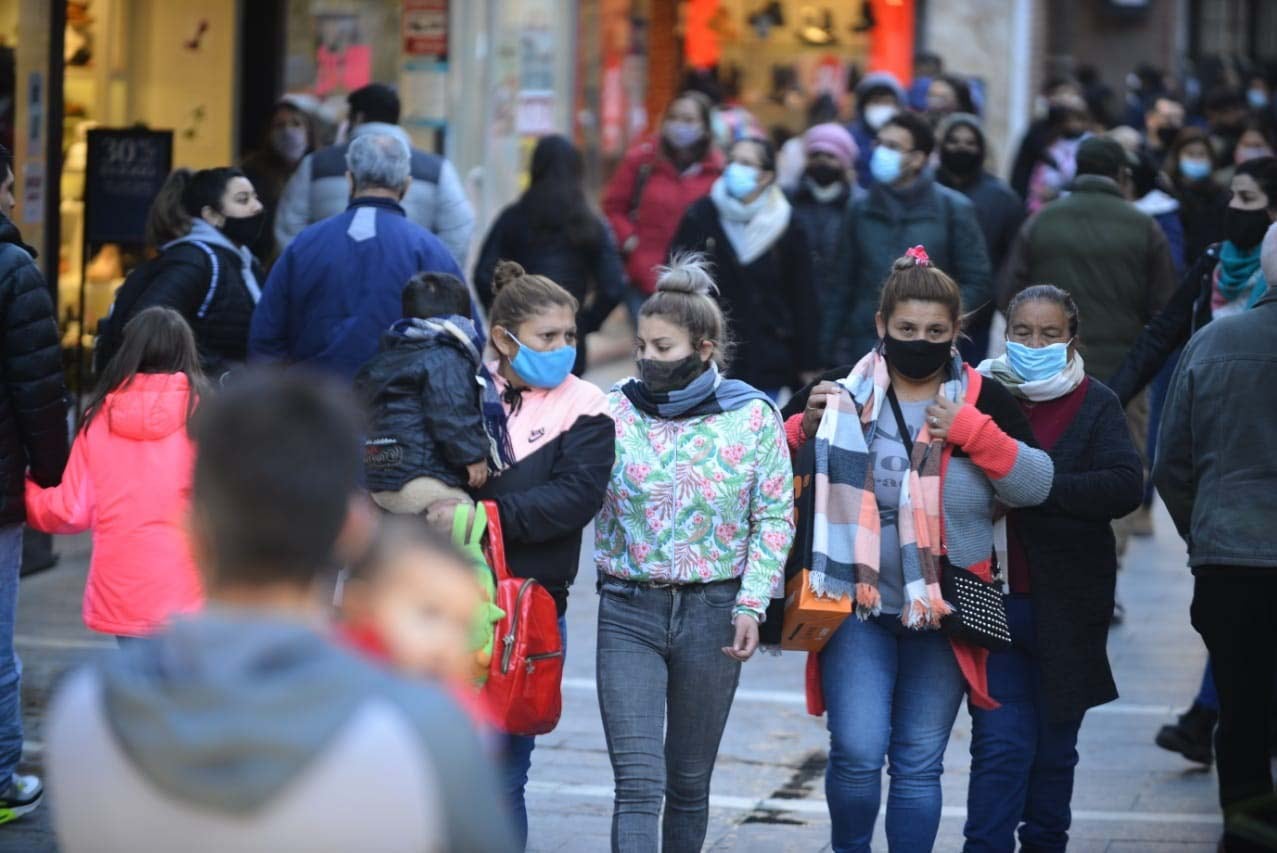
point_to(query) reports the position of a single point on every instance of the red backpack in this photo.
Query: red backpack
(525, 675)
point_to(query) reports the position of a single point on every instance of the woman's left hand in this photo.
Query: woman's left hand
(940, 415)
(746, 642)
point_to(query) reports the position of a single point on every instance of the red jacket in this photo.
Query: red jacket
(129, 481)
(665, 195)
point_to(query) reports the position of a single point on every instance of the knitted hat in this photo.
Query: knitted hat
(832, 139)
(1098, 155)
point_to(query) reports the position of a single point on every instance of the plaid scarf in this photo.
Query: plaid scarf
(708, 394)
(846, 535)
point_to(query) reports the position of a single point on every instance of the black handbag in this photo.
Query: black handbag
(979, 614)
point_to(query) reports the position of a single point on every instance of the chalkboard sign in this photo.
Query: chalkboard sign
(123, 173)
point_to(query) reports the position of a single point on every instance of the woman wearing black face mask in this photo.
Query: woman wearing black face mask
(939, 443)
(208, 274)
(690, 546)
(822, 197)
(999, 210)
(1226, 279)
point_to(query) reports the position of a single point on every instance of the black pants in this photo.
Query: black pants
(1235, 611)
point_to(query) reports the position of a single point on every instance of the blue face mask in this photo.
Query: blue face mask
(885, 165)
(1034, 365)
(543, 369)
(740, 180)
(1257, 98)
(1194, 168)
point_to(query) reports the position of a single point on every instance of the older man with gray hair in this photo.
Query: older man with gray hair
(337, 287)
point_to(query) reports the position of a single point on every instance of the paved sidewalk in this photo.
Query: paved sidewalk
(768, 792)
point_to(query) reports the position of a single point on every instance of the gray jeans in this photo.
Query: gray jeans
(660, 656)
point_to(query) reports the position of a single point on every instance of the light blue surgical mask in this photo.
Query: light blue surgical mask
(543, 369)
(886, 164)
(1036, 364)
(1194, 168)
(1257, 98)
(740, 180)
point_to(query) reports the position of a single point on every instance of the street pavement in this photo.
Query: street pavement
(768, 790)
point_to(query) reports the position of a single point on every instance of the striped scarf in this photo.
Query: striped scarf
(847, 528)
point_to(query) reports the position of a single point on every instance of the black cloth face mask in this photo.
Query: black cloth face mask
(917, 359)
(961, 161)
(1245, 228)
(661, 377)
(825, 174)
(243, 230)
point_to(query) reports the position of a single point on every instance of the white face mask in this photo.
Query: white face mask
(876, 115)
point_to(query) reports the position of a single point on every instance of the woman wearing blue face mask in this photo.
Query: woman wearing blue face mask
(563, 442)
(1062, 570)
(1191, 166)
(762, 266)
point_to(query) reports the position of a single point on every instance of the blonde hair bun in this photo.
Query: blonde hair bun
(689, 273)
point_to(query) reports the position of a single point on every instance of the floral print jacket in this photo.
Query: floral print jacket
(698, 500)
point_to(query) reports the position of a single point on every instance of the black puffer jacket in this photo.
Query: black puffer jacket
(822, 222)
(425, 404)
(185, 281)
(592, 272)
(33, 425)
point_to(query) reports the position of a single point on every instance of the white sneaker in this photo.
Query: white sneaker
(22, 796)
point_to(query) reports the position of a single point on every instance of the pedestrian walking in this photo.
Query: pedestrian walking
(690, 547)
(552, 231)
(318, 189)
(879, 98)
(289, 137)
(1202, 199)
(1061, 574)
(33, 442)
(1111, 258)
(1000, 212)
(206, 270)
(1227, 279)
(563, 443)
(1050, 175)
(1224, 380)
(905, 207)
(938, 443)
(129, 481)
(825, 190)
(746, 229)
(338, 286)
(655, 184)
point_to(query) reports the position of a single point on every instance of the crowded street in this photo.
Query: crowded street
(1131, 796)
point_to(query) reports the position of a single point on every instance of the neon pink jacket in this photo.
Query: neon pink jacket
(129, 480)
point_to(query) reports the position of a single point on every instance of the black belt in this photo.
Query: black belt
(662, 584)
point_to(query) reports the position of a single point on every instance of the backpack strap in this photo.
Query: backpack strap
(212, 285)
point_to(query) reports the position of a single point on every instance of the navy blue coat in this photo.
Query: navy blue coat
(337, 287)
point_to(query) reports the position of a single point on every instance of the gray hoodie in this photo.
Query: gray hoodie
(237, 732)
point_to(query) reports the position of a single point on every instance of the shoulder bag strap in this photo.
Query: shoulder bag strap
(212, 284)
(496, 543)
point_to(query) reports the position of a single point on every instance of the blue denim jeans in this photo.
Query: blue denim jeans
(10, 665)
(516, 761)
(665, 690)
(1022, 762)
(891, 693)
